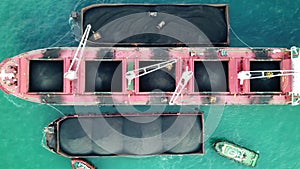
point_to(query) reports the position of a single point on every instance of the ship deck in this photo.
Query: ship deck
(101, 77)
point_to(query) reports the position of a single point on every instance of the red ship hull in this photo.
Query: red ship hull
(20, 78)
(81, 164)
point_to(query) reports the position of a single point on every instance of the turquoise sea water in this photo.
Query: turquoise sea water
(272, 130)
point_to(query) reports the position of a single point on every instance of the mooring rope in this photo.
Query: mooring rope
(76, 5)
(43, 141)
(243, 42)
(64, 36)
(56, 109)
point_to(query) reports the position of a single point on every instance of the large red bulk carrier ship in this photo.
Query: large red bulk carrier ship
(143, 76)
(162, 73)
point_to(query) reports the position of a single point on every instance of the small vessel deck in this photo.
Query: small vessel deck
(236, 153)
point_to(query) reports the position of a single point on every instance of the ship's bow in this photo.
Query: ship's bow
(9, 76)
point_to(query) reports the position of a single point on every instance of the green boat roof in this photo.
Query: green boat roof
(237, 153)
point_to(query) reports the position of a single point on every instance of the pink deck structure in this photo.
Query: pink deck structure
(19, 77)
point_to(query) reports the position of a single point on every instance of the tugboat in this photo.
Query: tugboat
(81, 164)
(236, 153)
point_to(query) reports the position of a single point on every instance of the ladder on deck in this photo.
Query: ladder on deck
(71, 74)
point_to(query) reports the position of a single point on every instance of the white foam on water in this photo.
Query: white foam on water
(11, 100)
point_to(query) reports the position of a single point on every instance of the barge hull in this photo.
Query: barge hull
(127, 134)
(156, 24)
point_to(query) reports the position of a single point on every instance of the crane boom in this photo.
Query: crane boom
(186, 76)
(258, 74)
(130, 75)
(295, 73)
(72, 74)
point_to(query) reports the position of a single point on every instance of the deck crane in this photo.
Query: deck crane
(71, 74)
(259, 74)
(295, 73)
(186, 76)
(130, 75)
(243, 75)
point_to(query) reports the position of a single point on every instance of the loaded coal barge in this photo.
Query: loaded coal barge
(154, 24)
(96, 135)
